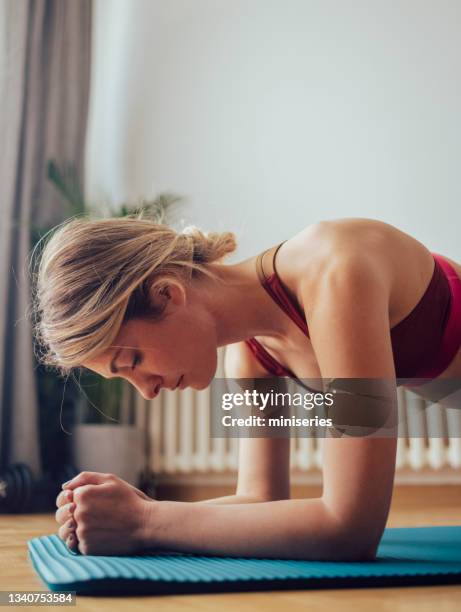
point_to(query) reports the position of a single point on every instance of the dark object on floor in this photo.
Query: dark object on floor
(20, 492)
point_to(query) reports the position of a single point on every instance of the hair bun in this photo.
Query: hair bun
(209, 247)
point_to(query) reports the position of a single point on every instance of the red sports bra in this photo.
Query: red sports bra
(419, 345)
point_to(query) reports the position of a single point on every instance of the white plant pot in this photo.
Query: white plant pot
(115, 449)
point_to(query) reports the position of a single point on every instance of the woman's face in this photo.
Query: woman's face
(154, 354)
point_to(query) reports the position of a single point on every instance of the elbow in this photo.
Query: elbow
(357, 544)
(345, 549)
(359, 552)
(339, 549)
(354, 540)
(333, 538)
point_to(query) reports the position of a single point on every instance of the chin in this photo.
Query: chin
(200, 380)
(200, 385)
(197, 386)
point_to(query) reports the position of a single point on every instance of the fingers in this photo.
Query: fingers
(64, 497)
(67, 529)
(72, 542)
(65, 513)
(85, 478)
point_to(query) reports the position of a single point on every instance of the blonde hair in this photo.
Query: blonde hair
(95, 274)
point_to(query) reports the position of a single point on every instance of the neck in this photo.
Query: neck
(239, 306)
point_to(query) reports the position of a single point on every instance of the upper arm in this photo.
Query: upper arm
(349, 330)
(264, 463)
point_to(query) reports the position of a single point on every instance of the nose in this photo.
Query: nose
(149, 390)
(152, 394)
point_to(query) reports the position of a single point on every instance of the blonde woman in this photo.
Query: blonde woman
(132, 298)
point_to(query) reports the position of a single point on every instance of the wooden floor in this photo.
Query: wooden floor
(411, 506)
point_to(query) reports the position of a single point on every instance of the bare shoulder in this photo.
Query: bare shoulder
(339, 244)
(383, 251)
(352, 239)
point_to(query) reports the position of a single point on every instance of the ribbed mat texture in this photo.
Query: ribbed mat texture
(406, 556)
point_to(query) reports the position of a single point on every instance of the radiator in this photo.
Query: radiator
(178, 446)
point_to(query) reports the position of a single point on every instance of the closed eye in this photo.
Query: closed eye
(136, 360)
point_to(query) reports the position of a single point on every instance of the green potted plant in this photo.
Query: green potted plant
(105, 437)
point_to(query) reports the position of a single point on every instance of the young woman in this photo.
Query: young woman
(131, 298)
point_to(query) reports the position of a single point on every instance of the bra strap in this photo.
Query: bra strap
(275, 255)
(259, 264)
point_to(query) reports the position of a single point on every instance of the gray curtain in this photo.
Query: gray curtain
(44, 87)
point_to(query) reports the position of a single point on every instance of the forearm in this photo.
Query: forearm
(289, 528)
(232, 499)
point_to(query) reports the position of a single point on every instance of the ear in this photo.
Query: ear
(175, 294)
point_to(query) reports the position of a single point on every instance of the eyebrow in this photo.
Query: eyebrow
(113, 367)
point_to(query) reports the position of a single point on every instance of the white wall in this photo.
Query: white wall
(272, 114)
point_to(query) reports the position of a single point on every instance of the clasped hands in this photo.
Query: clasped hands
(102, 514)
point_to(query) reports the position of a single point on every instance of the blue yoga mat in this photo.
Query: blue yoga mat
(406, 556)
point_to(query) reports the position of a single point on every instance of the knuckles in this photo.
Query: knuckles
(81, 496)
(83, 493)
(64, 497)
(62, 514)
(86, 474)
